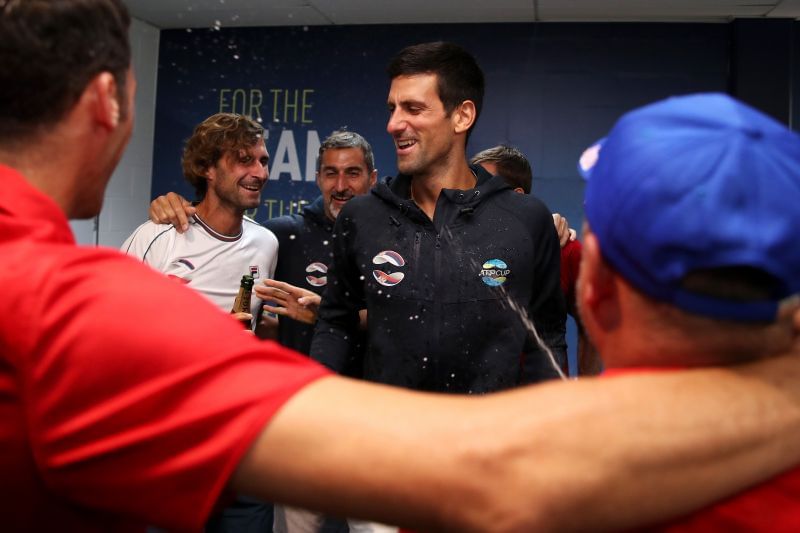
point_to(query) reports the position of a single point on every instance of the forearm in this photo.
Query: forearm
(388, 460)
(670, 443)
(562, 455)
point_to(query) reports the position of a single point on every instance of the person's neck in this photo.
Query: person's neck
(426, 187)
(54, 172)
(655, 340)
(222, 218)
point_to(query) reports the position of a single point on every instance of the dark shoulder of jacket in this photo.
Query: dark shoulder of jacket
(283, 226)
(392, 189)
(314, 213)
(530, 210)
(287, 225)
(360, 206)
(488, 185)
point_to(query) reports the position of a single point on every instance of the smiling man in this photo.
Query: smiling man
(345, 169)
(450, 264)
(225, 160)
(119, 411)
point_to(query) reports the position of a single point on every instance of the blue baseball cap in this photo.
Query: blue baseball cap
(692, 183)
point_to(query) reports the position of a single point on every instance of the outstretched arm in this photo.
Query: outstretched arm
(566, 456)
(290, 301)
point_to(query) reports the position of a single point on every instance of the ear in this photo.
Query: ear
(211, 173)
(104, 95)
(463, 116)
(373, 177)
(519, 190)
(598, 292)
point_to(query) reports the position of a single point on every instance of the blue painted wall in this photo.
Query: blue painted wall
(552, 89)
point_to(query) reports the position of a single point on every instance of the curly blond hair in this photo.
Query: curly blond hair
(213, 139)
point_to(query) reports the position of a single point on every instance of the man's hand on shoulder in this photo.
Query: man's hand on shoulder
(565, 233)
(172, 208)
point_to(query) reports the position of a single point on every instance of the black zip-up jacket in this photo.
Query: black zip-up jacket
(304, 252)
(445, 298)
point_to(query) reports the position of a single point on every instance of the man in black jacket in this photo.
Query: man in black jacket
(455, 269)
(345, 169)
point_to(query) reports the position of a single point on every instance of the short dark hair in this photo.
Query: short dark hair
(49, 52)
(458, 75)
(511, 165)
(216, 136)
(347, 139)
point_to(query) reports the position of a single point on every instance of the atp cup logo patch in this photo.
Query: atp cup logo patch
(494, 272)
(388, 257)
(317, 281)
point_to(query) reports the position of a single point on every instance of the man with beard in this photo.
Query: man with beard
(345, 169)
(225, 160)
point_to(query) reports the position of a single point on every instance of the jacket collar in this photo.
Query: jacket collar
(397, 190)
(316, 212)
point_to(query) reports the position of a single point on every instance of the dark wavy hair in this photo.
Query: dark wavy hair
(458, 75)
(212, 139)
(49, 52)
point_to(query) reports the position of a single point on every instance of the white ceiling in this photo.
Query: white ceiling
(221, 13)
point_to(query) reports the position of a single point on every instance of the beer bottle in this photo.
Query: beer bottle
(242, 302)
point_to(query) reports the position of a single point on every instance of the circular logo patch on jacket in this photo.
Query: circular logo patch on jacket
(388, 257)
(314, 268)
(494, 272)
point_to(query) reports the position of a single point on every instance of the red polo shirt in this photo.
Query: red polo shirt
(125, 399)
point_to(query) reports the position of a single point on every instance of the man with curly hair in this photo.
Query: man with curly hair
(225, 160)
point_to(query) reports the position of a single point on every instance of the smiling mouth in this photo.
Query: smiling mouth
(253, 187)
(402, 145)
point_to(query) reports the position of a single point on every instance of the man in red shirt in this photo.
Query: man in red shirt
(691, 257)
(116, 411)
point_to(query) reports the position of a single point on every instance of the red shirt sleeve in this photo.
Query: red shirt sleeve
(570, 265)
(139, 396)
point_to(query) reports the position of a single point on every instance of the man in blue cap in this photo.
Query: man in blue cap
(691, 256)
